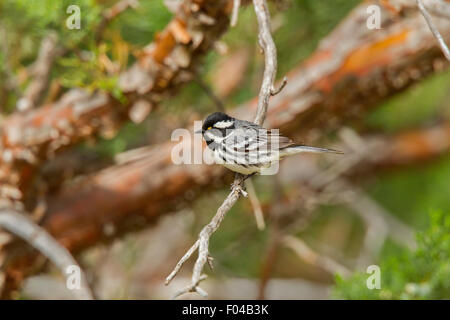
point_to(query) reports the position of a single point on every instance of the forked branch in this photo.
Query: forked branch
(267, 90)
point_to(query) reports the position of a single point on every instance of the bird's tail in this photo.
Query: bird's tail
(301, 148)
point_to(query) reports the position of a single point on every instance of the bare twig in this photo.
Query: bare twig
(376, 217)
(310, 256)
(256, 205)
(270, 59)
(182, 261)
(22, 226)
(269, 262)
(434, 30)
(380, 223)
(270, 70)
(235, 13)
(203, 242)
(283, 84)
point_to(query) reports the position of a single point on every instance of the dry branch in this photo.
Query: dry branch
(28, 139)
(256, 205)
(21, 226)
(434, 30)
(270, 59)
(235, 13)
(270, 71)
(310, 256)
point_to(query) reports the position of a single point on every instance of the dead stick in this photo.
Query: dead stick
(20, 225)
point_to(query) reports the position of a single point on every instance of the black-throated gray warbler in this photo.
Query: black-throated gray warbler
(245, 147)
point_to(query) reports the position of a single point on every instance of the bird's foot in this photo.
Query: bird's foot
(237, 186)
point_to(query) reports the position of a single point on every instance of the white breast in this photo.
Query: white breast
(234, 166)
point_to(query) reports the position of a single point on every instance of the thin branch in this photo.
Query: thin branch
(97, 112)
(182, 261)
(270, 59)
(283, 84)
(268, 264)
(434, 30)
(256, 205)
(270, 70)
(203, 242)
(310, 256)
(235, 13)
(23, 227)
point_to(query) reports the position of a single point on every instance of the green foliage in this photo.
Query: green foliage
(422, 274)
(24, 24)
(409, 192)
(27, 21)
(123, 140)
(312, 20)
(422, 101)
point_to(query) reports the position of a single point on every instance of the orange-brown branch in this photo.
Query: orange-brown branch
(28, 139)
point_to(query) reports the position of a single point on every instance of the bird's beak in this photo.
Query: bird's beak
(198, 131)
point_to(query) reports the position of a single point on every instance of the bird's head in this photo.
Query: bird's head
(217, 120)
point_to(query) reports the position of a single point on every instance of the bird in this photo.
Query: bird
(247, 148)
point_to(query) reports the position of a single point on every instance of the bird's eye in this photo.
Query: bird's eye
(209, 128)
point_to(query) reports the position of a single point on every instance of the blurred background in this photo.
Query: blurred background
(326, 218)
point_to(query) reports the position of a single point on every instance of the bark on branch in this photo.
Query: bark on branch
(20, 225)
(28, 139)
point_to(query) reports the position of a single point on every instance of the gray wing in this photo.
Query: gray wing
(252, 144)
(270, 139)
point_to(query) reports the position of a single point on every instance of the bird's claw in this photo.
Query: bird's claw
(237, 187)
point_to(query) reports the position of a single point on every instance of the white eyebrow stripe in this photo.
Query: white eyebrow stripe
(223, 124)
